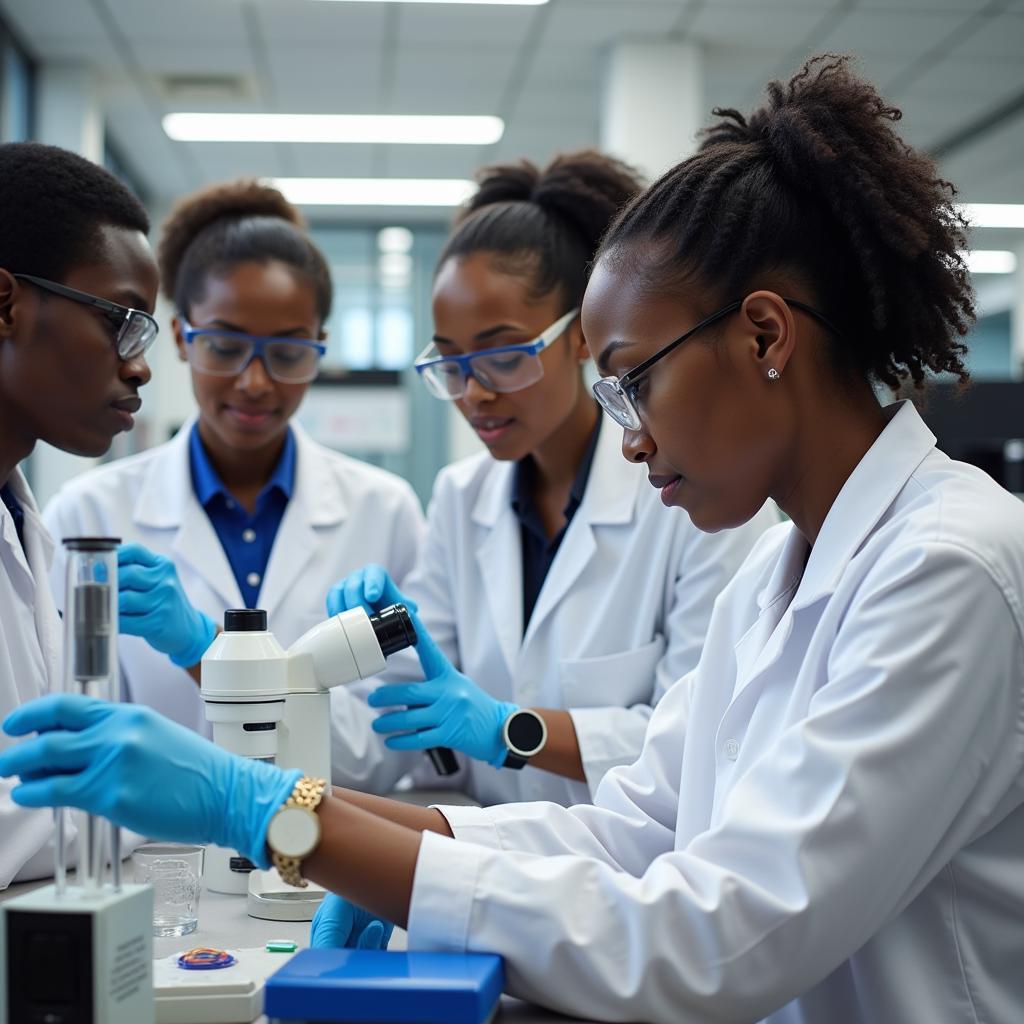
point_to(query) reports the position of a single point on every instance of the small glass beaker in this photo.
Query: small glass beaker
(175, 872)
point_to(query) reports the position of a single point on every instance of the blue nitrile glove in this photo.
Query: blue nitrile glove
(339, 924)
(153, 605)
(370, 588)
(129, 764)
(447, 710)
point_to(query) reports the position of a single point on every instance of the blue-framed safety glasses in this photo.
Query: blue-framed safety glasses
(222, 353)
(508, 368)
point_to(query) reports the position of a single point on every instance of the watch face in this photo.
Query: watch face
(293, 832)
(526, 733)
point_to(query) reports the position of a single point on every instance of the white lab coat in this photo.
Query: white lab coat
(621, 615)
(342, 513)
(825, 825)
(30, 666)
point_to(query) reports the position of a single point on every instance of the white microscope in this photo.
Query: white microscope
(266, 702)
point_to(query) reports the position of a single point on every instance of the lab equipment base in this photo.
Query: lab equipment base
(232, 995)
(272, 899)
(84, 958)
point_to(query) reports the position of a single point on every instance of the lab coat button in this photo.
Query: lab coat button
(732, 749)
(253, 579)
(248, 536)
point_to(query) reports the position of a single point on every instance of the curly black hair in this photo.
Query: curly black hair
(221, 226)
(52, 205)
(817, 183)
(544, 224)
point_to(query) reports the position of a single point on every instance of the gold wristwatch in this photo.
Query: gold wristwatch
(294, 831)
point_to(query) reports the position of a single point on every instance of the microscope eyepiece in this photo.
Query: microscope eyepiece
(393, 629)
(245, 620)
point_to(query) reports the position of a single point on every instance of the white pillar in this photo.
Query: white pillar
(68, 115)
(653, 104)
(1017, 318)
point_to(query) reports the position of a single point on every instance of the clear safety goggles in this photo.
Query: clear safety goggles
(221, 353)
(504, 369)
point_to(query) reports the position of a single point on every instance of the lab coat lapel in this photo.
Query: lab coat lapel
(316, 502)
(606, 502)
(167, 502)
(39, 547)
(864, 499)
(499, 559)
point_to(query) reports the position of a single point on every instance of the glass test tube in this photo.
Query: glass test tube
(90, 650)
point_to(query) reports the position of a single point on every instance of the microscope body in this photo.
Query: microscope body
(267, 702)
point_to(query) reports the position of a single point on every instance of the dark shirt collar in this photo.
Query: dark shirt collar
(206, 481)
(522, 500)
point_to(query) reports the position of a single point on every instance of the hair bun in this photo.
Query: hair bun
(504, 183)
(583, 190)
(232, 200)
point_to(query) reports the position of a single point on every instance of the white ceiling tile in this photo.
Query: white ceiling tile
(426, 25)
(1001, 36)
(891, 32)
(186, 22)
(724, 26)
(589, 23)
(33, 19)
(304, 23)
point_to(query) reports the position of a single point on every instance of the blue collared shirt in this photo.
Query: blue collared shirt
(537, 548)
(247, 539)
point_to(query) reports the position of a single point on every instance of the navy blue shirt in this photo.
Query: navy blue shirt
(17, 513)
(537, 548)
(247, 539)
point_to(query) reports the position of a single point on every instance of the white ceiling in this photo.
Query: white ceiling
(946, 63)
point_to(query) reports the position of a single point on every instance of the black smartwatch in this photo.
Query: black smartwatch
(525, 734)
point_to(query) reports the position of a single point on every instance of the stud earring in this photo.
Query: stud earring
(774, 374)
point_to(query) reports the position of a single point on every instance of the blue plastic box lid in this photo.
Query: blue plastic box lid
(375, 985)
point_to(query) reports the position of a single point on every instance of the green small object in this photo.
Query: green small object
(282, 946)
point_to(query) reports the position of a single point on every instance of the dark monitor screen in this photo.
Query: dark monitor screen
(982, 424)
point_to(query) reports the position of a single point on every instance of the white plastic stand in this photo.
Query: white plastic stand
(272, 899)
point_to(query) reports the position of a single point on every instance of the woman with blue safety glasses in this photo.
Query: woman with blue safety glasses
(565, 598)
(241, 507)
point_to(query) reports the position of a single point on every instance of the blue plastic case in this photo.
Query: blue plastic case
(375, 985)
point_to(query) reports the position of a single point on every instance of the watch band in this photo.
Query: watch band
(308, 793)
(514, 761)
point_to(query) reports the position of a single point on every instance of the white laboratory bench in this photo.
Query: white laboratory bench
(223, 922)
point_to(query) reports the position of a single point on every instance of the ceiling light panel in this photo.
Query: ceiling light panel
(397, 129)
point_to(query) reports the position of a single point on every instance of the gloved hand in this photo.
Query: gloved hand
(153, 605)
(447, 710)
(339, 924)
(370, 588)
(138, 769)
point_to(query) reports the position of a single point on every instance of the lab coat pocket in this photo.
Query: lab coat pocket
(614, 680)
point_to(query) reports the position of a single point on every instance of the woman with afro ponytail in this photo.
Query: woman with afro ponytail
(241, 509)
(563, 600)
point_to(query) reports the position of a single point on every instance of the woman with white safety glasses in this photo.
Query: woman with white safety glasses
(241, 508)
(565, 597)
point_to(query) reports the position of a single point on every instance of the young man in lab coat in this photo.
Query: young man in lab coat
(77, 285)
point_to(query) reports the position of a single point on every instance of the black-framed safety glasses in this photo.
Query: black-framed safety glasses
(134, 330)
(618, 396)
